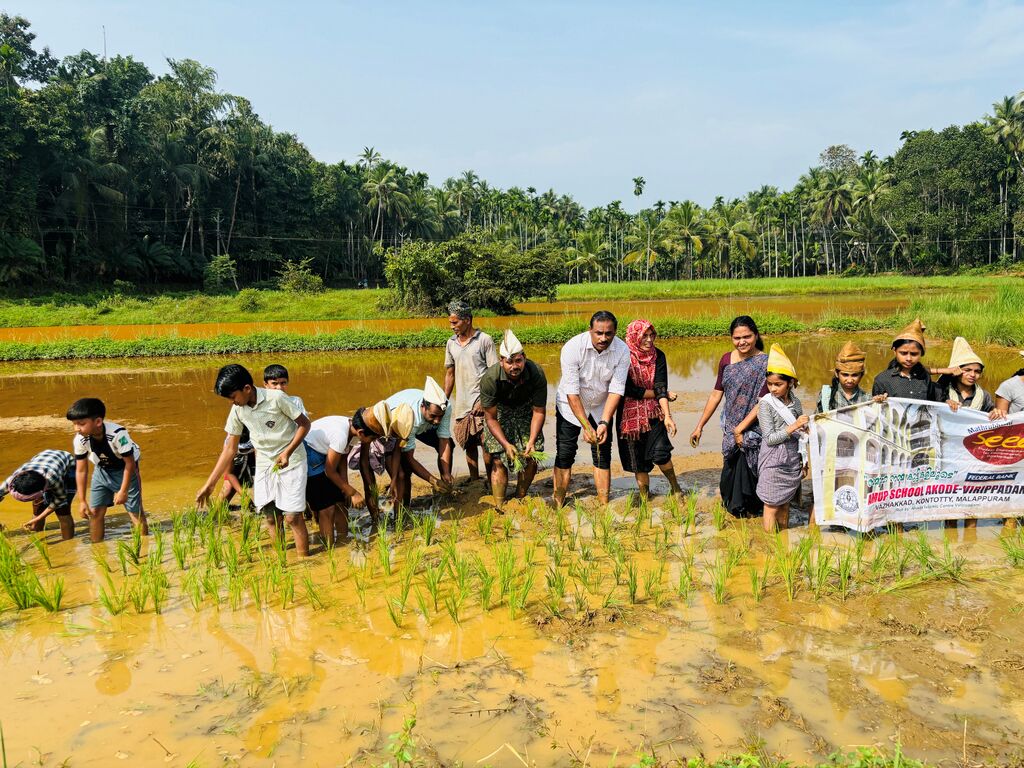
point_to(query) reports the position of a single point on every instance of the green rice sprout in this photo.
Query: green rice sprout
(180, 549)
(556, 583)
(113, 599)
(1013, 546)
(505, 559)
(691, 513)
(684, 586)
(508, 526)
(383, 549)
(286, 589)
(50, 595)
(423, 605)
(428, 523)
(718, 515)
(758, 581)
(432, 577)
(257, 590)
(652, 581)
(461, 569)
(787, 565)
(632, 581)
(44, 551)
(520, 595)
(453, 604)
(924, 552)
(359, 579)
(822, 571)
(313, 594)
(138, 594)
(485, 588)
(100, 560)
(718, 572)
(844, 567)
(485, 524)
(395, 612)
(235, 585)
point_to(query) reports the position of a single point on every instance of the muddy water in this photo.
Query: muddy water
(806, 308)
(252, 686)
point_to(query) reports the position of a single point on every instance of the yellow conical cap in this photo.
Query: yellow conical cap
(779, 362)
(963, 354)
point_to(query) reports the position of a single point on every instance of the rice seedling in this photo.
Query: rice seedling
(157, 584)
(461, 569)
(505, 559)
(555, 552)
(122, 557)
(332, 565)
(632, 581)
(859, 545)
(718, 572)
(257, 590)
(844, 567)
(673, 509)
(691, 513)
(573, 539)
(235, 586)
(508, 526)
(787, 564)
(383, 549)
(138, 594)
(718, 515)
(652, 581)
(211, 585)
(948, 566)
(923, 551)
(286, 589)
(423, 605)
(561, 523)
(400, 517)
(44, 551)
(485, 588)
(1012, 543)
(556, 582)
(733, 556)
(580, 603)
(662, 545)
(684, 586)
(759, 581)
(181, 549)
(453, 604)
(519, 596)
(395, 612)
(821, 574)
(529, 552)
(432, 577)
(100, 560)
(135, 540)
(50, 595)
(359, 579)
(313, 594)
(485, 524)
(232, 557)
(113, 599)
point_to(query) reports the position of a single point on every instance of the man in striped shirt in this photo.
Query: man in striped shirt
(48, 481)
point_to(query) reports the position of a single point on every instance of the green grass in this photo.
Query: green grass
(993, 317)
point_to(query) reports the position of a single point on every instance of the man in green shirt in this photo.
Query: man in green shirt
(514, 396)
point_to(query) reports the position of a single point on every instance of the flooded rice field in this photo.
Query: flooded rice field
(531, 638)
(538, 312)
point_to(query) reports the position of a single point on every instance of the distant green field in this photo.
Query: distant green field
(353, 304)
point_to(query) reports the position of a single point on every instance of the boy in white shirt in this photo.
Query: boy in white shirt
(275, 376)
(277, 426)
(115, 456)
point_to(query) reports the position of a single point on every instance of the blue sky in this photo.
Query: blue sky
(702, 99)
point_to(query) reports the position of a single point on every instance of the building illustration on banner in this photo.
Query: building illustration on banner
(869, 447)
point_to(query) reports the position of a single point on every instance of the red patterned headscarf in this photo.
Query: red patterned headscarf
(636, 414)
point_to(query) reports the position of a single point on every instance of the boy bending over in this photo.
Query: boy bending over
(48, 481)
(277, 427)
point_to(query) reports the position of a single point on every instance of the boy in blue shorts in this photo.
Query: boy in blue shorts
(47, 480)
(276, 427)
(115, 458)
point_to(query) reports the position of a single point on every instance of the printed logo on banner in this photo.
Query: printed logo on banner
(989, 477)
(1000, 446)
(845, 499)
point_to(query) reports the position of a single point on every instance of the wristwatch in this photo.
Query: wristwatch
(602, 421)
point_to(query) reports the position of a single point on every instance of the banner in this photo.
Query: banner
(908, 461)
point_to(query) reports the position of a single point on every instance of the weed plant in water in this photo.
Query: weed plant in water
(1012, 543)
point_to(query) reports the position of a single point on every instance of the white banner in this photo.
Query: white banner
(907, 461)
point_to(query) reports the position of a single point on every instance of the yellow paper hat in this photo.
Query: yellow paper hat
(378, 418)
(850, 359)
(913, 332)
(778, 362)
(962, 354)
(402, 420)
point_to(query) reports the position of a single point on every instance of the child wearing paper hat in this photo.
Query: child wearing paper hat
(905, 376)
(783, 425)
(961, 389)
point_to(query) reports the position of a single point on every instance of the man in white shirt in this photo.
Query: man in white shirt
(595, 365)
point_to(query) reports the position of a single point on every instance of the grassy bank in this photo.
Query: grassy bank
(351, 304)
(358, 339)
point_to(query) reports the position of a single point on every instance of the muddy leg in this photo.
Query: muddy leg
(783, 517)
(341, 523)
(525, 479)
(97, 524)
(603, 483)
(561, 479)
(643, 484)
(471, 457)
(325, 521)
(770, 518)
(140, 520)
(499, 482)
(670, 474)
(67, 526)
(275, 523)
(299, 532)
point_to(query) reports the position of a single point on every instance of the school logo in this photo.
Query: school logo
(999, 446)
(845, 500)
(124, 440)
(270, 424)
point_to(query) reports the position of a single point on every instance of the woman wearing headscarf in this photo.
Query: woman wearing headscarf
(645, 422)
(741, 381)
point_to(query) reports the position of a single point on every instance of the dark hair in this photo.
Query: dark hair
(903, 342)
(793, 383)
(232, 378)
(360, 424)
(87, 408)
(746, 321)
(603, 316)
(28, 482)
(275, 371)
(1020, 372)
